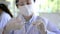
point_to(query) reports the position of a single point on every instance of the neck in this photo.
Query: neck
(28, 17)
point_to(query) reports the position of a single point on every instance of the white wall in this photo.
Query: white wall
(53, 17)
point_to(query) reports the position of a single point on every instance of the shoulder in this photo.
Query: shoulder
(5, 18)
(42, 19)
(41, 22)
(6, 15)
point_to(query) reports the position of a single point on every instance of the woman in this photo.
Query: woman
(5, 16)
(29, 23)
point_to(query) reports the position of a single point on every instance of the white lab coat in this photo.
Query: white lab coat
(4, 18)
(20, 26)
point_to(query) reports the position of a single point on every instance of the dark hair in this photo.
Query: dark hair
(5, 9)
(18, 1)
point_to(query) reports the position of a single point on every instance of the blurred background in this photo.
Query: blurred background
(49, 9)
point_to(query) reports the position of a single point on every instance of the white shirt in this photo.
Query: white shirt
(4, 18)
(28, 28)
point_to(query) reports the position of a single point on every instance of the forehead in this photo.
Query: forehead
(22, 0)
(25, 0)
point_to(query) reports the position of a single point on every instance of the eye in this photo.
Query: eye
(21, 4)
(28, 3)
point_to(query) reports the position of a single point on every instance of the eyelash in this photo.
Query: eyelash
(24, 4)
(28, 3)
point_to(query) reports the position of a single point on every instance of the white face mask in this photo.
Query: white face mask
(26, 10)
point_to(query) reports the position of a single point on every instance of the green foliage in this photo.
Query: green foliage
(53, 6)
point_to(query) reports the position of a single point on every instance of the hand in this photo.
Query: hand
(14, 24)
(40, 26)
